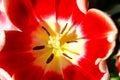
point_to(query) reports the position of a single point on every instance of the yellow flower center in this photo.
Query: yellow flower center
(57, 45)
(54, 42)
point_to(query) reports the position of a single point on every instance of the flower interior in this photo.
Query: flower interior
(55, 44)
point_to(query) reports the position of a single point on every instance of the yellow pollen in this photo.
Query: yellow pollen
(54, 42)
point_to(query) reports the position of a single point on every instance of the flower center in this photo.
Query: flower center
(56, 44)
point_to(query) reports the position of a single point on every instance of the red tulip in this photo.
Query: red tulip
(57, 40)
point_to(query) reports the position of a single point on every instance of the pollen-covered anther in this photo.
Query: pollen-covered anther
(45, 30)
(39, 47)
(64, 28)
(50, 58)
(71, 41)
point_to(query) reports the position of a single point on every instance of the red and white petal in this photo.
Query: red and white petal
(4, 75)
(20, 13)
(91, 70)
(103, 68)
(98, 48)
(17, 49)
(85, 71)
(45, 11)
(37, 72)
(2, 39)
(33, 72)
(77, 14)
(68, 15)
(5, 23)
(64, 9)
(97, 25)
(82, 5)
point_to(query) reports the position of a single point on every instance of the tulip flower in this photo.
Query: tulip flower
(57, 40)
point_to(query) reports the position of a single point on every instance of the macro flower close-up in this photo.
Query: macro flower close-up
(55, 40)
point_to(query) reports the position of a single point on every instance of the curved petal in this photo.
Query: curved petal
(2, 39)
(19, 46)
(103, 68)
(44, 8)
(97, 24)
(20, 13)
(5, 23)
(69, 14)
(90, 69)
(16, 50)
(98, 48)
(77, 14)
(83, 71)
(4, 75)
(65, 9)
(71, 72)
(30, 71)
(82, 4)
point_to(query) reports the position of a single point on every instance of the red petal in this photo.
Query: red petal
(44, 8)
(5, 24)
(97, 24)
(52, 76)
(30, 72)
(65, 8)
(82, 72)
(69, 73)
(69, 13)
(98, 48)
(82, 4)
(86, 71)
(16, 52)
(77, 15)
(33, 72)
(20, 13)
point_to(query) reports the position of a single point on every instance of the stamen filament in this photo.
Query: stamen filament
(71, 51)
